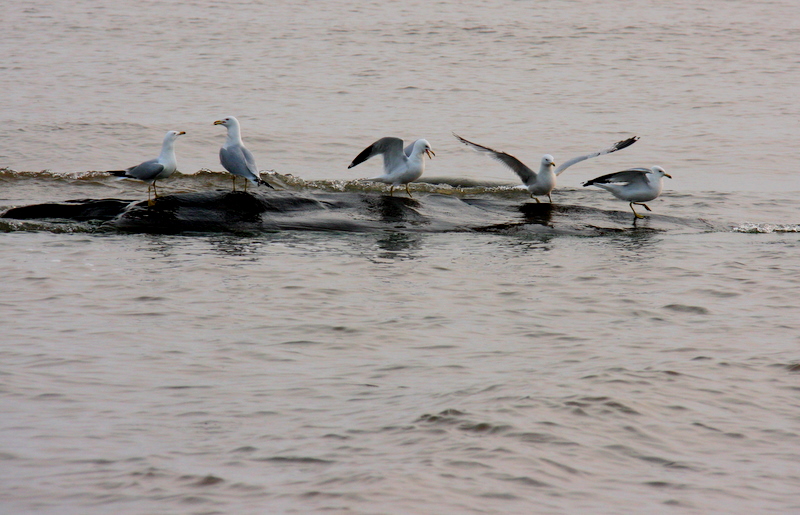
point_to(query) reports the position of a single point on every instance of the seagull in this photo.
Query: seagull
(543, 182)
(400, 166)
(235, 157)
(160, 168)
(636, 185)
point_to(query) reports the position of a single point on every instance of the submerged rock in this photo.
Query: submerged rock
(226, 211)
(211, 212)
(78, 210)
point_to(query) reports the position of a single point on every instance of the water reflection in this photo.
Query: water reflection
(526, 243)
(636, 243)
(163, 246)
(399, 245)
(239, 246)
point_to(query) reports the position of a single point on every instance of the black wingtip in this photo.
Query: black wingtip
(363, 156)
(265, 183)
(465, 141)
(626, 143)
(118, 173)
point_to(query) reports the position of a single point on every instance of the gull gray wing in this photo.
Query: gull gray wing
(629, 176)
(391, 148)
(251, 165)
(146, 171)
(525, 173)
(239, 161)
(619, 145)
(250, 160)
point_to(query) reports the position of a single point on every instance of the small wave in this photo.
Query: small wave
(205, 178)
(753, 228)
(439, 185)
(295, 459)
(7, 174)
(10, 225)
(683, 308)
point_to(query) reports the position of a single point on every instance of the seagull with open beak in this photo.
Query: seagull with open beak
(400, 166)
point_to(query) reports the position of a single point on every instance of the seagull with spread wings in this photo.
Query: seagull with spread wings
(544, 181)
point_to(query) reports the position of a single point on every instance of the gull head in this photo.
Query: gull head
(659, 172)
(170, 137)
(548, 161)
(422, 146)
(228, 121)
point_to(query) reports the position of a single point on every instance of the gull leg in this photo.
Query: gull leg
(155, 190)
(408, 191)
(645, 206)
(637, 215)
(245, 185)
(234, 181)
(391, 189)
(536, 199)
(550, 198)
(150, 202)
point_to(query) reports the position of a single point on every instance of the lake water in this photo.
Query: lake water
(523, 361)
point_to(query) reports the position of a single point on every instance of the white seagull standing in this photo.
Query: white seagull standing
(399, 166)
(159, 168)
(543, 182)
(636, 185)
(235, 157)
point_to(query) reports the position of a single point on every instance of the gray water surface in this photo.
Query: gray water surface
(620, 368)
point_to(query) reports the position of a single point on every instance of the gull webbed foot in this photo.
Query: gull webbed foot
(637, 215)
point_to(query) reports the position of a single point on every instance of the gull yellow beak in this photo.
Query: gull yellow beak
(181, 133)
(430, 153)
(219, 122)
(667, 175)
